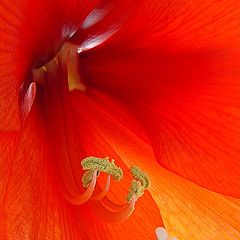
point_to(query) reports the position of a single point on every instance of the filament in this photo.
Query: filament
(112, 216)
(85, 196)
(104, 192)
(111, 206)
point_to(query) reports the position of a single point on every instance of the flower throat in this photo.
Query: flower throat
(53, 82)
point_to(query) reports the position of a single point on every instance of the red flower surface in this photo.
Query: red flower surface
(154, 83)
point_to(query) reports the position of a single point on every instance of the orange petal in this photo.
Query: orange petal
(8, 145)
(141, 225)
(175, 67)
(189, 211)
(33, 207)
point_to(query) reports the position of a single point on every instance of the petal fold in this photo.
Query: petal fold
(178, 74)
(189, 211)
(32, 205)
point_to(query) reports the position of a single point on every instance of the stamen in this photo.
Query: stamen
(105, 208)
(68, 57)
(104, 192)
(84, 197)
(141, 176)
(87, 177)
(111, 216)
(113, 207)
(136, 190)
(102, 165)
(138, 186)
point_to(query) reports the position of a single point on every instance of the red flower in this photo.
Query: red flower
(154, 83)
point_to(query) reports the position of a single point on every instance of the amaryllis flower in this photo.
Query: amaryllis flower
(150, 83)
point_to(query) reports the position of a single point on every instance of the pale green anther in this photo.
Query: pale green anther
(135, 189)
(87, 177)
(141, 176)
(102, 165)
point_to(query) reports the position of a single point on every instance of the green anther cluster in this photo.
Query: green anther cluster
(102, 165)
(139, 184)
(135, 189)
(87, 177)
(141, 176)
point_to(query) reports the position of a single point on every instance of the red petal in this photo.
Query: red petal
(189, 211)
(31, 33)
(11, 65)
(175, 66)
(103, 22)
(140, 225)
(32, 206)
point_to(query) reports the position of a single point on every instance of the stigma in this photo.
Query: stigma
(104, 207)
(162, 234)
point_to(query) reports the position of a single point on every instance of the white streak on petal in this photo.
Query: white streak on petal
(95, 40)
(68, 30)
(28, 100)
(94, 17)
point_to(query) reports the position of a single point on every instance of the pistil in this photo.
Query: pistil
(162, 234)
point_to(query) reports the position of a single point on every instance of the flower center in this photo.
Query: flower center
(68, 55)
(53, 83)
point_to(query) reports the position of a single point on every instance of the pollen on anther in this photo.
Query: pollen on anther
(103, 165)
(136, 189)
(87, 177)
(141, 176)
(107, 209)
